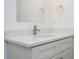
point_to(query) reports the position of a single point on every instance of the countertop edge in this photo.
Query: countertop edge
(37, 44)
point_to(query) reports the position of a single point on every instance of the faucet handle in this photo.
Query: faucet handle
(35, 26)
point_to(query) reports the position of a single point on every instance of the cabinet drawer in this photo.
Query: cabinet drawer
(50, 49)
(64, 44)
(67, 54)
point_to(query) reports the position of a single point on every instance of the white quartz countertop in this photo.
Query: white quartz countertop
(31, 41)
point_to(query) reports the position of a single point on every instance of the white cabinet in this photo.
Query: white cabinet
(61, 49)
(67, 54)
(51, 49)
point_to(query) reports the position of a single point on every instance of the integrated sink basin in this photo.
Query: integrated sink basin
(33, 40)
(46, 35)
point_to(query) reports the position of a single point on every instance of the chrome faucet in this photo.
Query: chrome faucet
(35, 30)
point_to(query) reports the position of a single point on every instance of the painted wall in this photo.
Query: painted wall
(64, 17)
(56, 21)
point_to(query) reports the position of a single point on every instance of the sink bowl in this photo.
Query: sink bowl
(45, 35)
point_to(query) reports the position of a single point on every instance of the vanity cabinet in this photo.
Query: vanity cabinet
(67, 54)
(47, 50)
(60, 49)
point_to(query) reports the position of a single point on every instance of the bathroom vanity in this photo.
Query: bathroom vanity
(23, 14)
(51, 47)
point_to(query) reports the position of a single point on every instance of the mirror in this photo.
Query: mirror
(32, 10)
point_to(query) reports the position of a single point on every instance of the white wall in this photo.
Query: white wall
(66, 19)
(12, 24)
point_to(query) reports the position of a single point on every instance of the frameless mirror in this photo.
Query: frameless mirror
(33, 10)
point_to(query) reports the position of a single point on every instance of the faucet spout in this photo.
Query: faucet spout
(35, 30)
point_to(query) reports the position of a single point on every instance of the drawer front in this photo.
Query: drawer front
(50, 49)
(64, 44)
(43, 51)
(67, 54)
